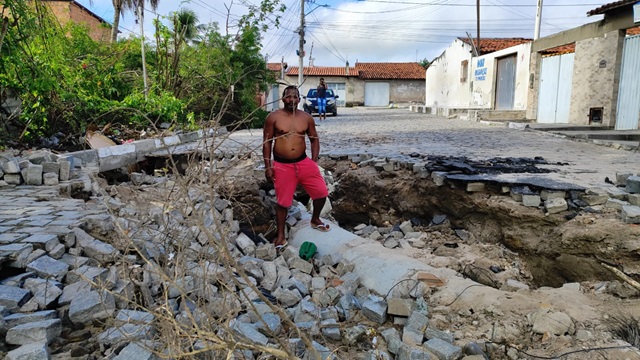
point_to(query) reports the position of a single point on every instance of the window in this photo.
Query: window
(464, 70)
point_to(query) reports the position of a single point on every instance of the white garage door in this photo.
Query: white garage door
(376, 94)
(339, 89)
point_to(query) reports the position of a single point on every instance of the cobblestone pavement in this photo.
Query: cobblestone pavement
(26, 211)
(396, 132)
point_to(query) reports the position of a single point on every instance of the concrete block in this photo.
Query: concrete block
(432, 333)
(517, 192)
(615, 204)
(392, 337)
(41, 331)
(65, 169)
(51, 167)
(475, 187)
(443, 350)
(375, 309)
(11, 167)
(86, 157)
(32, 174)
(594, 196)
(634, 199)
(417, 321)
(439, 177)
(13, 179)
(552, 194)
(144, 147)
(188, 137)
(633, 185)
(401, 307)
(531, 200)
(50, 179)
(170, 140)
(555, 205)
(630, 214)
(115, 157)
(412, 336)
(621, 178)
(617, 193)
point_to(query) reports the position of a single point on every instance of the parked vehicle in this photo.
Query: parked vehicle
(311, 102)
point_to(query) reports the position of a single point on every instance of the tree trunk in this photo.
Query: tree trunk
(117, 9)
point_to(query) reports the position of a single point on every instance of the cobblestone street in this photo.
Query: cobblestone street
(396, 132)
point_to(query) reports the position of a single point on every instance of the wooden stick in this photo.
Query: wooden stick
(622, 276)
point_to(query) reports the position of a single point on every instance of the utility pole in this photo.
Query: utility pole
(478, 25)
(301, 46)
(144, 63)
(536, 32)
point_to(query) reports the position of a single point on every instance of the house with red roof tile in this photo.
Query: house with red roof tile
(488, 76)
(364, 84)
(589, 75)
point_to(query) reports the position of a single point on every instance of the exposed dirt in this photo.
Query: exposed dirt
(554, 249)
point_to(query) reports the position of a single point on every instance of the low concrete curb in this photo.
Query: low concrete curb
(115, 157)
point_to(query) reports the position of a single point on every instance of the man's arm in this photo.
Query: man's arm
(312, 133)
(267, 144)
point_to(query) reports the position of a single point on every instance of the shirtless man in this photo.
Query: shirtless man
(285, 131)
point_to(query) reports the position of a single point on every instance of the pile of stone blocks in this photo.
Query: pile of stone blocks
(39, 168)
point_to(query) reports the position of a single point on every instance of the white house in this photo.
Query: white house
(497, 79)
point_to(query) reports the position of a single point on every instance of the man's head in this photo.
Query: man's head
(321, 80)
(291, 97)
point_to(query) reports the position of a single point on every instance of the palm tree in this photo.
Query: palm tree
(185, 25)
(119, 8)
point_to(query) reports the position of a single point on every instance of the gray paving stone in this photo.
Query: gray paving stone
(44, 291)
(8, 237)
(42, 241)
(443, 349)
(32, 174)
(249, 332)
(23, 318)
(18, 280)
(72, 291)
(134, 351)
(40, 331)
(13, 297)
(630, 214)
(375, 309)
(91, 306)
(32, 351)
(632, 187)
(48, 267)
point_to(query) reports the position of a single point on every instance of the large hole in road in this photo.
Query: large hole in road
(487, 228)
(485, 235)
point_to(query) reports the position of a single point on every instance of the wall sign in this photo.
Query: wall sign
(481, 70)
(636, 13)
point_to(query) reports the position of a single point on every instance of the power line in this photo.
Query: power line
(473, 5)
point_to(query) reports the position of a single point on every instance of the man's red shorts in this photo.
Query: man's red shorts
(305, 172)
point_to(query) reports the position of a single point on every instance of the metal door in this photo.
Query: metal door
(628, 114)
(339, 89)
(376, 94)
(554, 93)
(506, 83)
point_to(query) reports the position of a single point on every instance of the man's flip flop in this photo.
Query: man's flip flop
(321, 227)
(282, 246)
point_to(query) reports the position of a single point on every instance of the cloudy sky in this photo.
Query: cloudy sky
(374, 30)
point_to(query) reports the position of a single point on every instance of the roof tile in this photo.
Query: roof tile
(489, 45)
(633, 31)
(559, 50)
(610, 6)
(391, 71)
(323, 71)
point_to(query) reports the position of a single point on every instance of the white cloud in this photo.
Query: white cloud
(379, 30)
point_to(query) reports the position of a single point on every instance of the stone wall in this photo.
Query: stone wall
(596, 75)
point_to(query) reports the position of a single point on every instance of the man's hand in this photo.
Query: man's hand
(268, 173)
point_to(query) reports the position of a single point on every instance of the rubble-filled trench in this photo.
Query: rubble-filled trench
(552, 249)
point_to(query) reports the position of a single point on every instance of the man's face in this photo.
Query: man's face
(291, 99)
